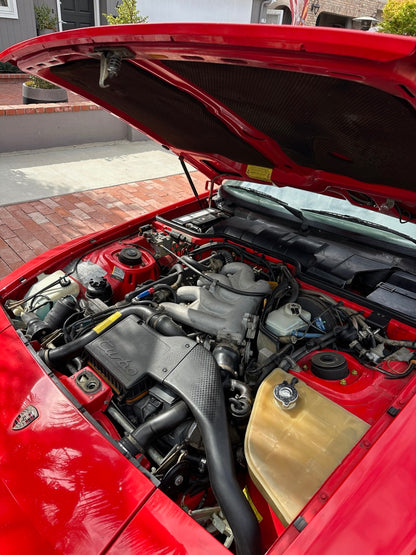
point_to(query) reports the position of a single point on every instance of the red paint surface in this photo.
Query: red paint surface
(122, 277)
(162, 528)
(92, 402)
(60, 479)
(65, 488)
(367, 394)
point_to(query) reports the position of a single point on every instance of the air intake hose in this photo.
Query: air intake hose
(196, 378)
(155, 319)
(139, 439)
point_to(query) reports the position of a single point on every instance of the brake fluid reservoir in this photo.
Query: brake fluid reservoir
(49, 287)
(287, 319)
(290, 453)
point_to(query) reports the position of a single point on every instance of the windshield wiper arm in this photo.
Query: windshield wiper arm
(356, 220)
(294, 211)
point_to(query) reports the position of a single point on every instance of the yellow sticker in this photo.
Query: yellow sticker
(255, 511)
(107, 322)
(258, 172)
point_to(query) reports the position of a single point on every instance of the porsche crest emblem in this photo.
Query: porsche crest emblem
(26, 417)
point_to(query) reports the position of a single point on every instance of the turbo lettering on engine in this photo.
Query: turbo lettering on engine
(112, 352)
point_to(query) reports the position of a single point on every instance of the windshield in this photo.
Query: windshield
(329, 208)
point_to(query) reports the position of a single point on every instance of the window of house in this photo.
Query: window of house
(8, 8)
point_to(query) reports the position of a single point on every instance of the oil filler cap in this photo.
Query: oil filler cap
(286, 394)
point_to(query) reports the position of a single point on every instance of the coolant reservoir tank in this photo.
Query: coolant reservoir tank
(50, 287)
(290, 453)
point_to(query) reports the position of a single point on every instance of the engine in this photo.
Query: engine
(199, 357)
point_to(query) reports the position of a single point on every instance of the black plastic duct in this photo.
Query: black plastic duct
(196, 379)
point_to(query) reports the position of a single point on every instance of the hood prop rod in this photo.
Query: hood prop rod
(189, 178)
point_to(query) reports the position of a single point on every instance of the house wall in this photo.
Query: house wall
(220, 11)
(16, 30)
(106, 6)
(348, 8)
(259, 9)
(50, 3)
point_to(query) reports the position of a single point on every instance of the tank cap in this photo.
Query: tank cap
(286, 394)
(293, 309)
(99, 289)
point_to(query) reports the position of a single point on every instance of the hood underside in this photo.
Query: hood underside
(325, 110)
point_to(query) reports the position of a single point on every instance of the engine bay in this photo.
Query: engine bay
(215, 345)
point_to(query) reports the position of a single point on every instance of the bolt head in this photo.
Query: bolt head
(179, 480)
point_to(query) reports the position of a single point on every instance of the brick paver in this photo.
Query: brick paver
(30, 228)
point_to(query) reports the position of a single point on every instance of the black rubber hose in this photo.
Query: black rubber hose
(194, 263)
(168, 288)
(140, 438)
(293, 284)
(159, 321)
(178, 268)
(170, 279)
(197, 380)
(164, 324)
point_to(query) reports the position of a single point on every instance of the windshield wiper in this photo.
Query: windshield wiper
(294, 211)
(356, 220)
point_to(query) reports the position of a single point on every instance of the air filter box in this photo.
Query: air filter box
(129, 353)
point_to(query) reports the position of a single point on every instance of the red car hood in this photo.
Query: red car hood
(326, 110)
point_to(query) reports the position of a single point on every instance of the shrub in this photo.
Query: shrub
(45, 18)
(127, 12)
(399, 18)
(7, 67)
(39, 83)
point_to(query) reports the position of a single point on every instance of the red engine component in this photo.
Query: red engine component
(126, 265)
(93, 394)
(359, 389)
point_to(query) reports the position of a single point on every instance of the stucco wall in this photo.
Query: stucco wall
(36, 126)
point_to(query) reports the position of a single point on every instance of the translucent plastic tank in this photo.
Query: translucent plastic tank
(290, 453)
(49, 287)
(287, 319)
